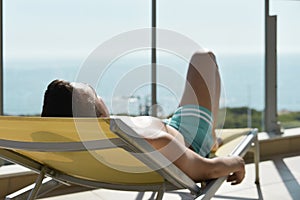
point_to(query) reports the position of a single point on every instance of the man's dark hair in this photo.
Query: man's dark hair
(58, 99)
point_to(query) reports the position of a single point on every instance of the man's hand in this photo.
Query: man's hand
(237, 176)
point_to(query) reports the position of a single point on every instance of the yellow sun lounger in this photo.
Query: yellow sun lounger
(103, 153)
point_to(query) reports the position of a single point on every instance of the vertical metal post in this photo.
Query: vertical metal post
(271, 122)
(1, 57)
(153, 61)
(256, 159)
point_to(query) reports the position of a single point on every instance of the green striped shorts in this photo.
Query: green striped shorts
(195, 123)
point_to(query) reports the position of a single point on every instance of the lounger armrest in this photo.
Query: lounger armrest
(244, 146)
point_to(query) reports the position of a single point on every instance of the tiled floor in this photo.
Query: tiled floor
(279, 179)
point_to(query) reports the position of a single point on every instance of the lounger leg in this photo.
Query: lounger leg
(256, 159)
(37, 186)
(161, 192)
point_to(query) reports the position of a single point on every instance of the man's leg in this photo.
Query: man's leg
(203, 84)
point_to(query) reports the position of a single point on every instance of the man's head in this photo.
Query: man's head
(65, 99)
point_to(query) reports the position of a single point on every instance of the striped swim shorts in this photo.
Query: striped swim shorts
(195, 123)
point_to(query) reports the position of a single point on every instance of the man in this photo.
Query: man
(185, 139)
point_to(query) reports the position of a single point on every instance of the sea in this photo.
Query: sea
(125, 83)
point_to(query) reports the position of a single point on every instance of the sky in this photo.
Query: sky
(74, 28)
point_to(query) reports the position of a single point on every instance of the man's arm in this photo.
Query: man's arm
(196, 167)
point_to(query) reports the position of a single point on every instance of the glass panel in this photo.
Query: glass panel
(50, 39)
(234, 31)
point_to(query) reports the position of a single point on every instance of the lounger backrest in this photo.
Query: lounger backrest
(62, 143)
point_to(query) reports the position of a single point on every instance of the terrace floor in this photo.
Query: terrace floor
(279, 179)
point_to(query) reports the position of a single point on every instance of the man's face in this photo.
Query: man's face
(86, 102)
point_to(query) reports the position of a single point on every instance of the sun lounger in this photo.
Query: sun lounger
(102, 153)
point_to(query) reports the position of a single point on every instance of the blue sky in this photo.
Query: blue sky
(73, 28)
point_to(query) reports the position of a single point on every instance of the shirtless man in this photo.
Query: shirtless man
(185, 139)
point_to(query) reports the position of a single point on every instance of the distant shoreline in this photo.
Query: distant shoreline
(238, 117)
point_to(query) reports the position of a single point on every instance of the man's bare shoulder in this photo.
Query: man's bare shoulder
(150, 127)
